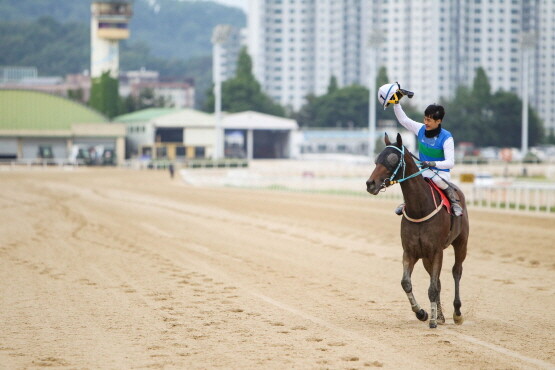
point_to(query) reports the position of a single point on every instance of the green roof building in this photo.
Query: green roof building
(181, 134)
(40, 126)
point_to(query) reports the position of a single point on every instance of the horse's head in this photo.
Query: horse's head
(388, 163)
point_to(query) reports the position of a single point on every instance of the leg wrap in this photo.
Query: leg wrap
(434, 311)
(415, 306)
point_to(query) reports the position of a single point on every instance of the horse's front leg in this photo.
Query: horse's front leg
(428, 266)
(408, 266)
(435, 287)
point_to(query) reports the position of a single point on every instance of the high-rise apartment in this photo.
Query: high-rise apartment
(297, 45)
(542, 94)
(418, 45)
(429, 46)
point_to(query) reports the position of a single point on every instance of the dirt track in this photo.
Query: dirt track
(127, 269)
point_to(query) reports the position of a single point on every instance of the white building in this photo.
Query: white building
(544, 67)
(257, 135)
(429, 46)
(181, 134)
(297, 46)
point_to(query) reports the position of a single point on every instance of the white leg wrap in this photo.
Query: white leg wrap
(434, 312)
(414, 305)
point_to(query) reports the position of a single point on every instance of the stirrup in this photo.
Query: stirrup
(399, 209)
(455, 206)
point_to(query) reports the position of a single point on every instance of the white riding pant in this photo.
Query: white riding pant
(440, 179)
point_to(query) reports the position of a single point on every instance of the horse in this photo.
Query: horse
(426, 229)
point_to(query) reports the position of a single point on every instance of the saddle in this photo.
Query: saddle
(444, 200)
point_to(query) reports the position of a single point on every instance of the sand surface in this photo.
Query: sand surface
(128, 269)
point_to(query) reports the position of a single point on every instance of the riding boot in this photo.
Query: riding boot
(399, 209)
(455, 205)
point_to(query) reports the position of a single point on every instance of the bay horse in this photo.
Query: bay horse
(426, 229)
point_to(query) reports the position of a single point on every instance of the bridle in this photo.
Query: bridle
(390, 181)
(402, 164)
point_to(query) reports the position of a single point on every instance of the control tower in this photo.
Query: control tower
(109, 24)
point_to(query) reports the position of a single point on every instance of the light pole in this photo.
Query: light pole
(374, 41)
(219, 36)
(527, 44)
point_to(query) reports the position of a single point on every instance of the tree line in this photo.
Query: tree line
(474, 114)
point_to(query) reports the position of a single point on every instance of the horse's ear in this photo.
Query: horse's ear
(386, 139)
(399, 140)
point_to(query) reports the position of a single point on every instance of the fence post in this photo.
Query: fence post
(528, 198)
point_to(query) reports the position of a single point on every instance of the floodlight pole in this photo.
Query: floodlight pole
(372, 112)
(374, 41)
(219, 36)
(527, 43)
(217, 100)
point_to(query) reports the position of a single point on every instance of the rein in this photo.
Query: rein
(403, 164)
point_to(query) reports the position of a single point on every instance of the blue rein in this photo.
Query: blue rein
(403, 164)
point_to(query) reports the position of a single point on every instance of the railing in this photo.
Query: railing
(517, 197)
(28, 163)
(187, 163)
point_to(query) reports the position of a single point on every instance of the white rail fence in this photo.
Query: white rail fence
(332, 177)
(503, 196)
(518, 196)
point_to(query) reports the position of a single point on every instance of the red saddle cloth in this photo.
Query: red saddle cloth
(444, 199)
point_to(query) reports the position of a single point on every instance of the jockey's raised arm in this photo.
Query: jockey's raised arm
(404, 120)
(436, 146)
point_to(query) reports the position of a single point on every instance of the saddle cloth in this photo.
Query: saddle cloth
(444, 199)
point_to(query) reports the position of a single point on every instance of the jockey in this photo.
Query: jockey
(435, 144)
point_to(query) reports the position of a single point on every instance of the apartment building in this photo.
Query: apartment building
(298, 45)
(430, 46)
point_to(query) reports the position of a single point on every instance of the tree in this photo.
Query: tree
(477, 116)
(481, 89)
(76, 94)
(550, 138)
(306, 115)
(243, 92)
(345, 107)
(332, 87)
(57, 49)
(104, 95)
(507, 122)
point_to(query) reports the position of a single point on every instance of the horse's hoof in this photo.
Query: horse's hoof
(458, 319)
(441, 320)
(433, 324)
(422, 315)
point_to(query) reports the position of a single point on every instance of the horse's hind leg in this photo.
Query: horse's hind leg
(459, 246)
(408, 266)
(440, 317)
